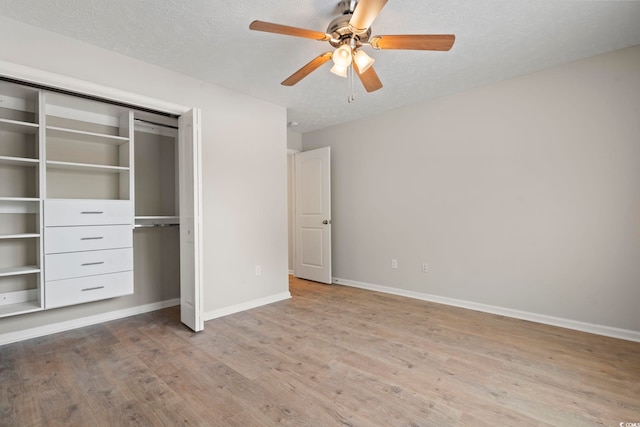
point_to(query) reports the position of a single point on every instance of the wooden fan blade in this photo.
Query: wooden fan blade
(307, 69)
(442, 42)
(269, 27)
(369, 79)
(365, 13)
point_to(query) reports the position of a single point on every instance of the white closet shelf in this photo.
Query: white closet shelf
(19, 199)
(31, 206)
(16, 126)
(87, 167)
(19, 236)
(18, 308)
(82, 136)
(19, 205)
(18, 271)
(18, 161)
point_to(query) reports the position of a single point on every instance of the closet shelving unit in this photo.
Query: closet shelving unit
(88, 206)
(90, 141)
(21, 288)
(69, 205)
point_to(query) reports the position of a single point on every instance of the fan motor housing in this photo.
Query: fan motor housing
(340, 31)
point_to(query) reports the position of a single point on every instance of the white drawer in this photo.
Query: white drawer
(84, 289)
(87, 212)
(78, 239)
(79, 264)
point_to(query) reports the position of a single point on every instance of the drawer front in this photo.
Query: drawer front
(79, 264)
(58, 213)
(78, 239)
(85, 289)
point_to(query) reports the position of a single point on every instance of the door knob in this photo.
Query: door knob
(326, 222)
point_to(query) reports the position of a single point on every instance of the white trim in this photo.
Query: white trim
(291, 210)
(607, 331)
(214, 314)
(45, 78)
(68, 325)
(292, 151)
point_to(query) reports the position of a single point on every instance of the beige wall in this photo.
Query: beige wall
(523, 194)
(244, 169)
(294, 140)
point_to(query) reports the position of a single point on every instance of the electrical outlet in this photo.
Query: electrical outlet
(425, 267)
(258, 270)
(394, 263)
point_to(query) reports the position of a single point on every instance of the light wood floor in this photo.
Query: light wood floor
(331, 355)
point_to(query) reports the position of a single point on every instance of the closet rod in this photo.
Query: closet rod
(155, 225)
(156, 123)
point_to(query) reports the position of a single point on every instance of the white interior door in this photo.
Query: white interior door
(313, 215)
(189, 166)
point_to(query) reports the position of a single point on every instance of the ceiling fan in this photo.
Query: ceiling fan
(348, 34)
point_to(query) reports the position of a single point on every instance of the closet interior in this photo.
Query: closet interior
(88, 201)
(157, 235)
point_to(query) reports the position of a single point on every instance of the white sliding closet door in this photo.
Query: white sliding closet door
(189, 166)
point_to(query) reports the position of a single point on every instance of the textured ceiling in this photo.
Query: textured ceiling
(210, 40)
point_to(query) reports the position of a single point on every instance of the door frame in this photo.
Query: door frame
(38, 77)
(291, 209)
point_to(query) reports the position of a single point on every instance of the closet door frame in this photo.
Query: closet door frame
(57, 81)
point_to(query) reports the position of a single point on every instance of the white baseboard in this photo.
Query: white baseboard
(214, 314)
(592, 328)
(67, 325)
(291, 272)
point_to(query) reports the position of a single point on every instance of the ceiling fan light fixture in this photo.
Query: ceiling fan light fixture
(342, 56)
(362, 60)
(339, 70)
(347, 34)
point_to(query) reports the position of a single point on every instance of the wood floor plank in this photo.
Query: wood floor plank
(446, 397)
(540, 374)
(12, 394)
(309, 404)
(331, 355)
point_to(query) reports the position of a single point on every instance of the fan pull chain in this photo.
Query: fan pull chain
(351, 96)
